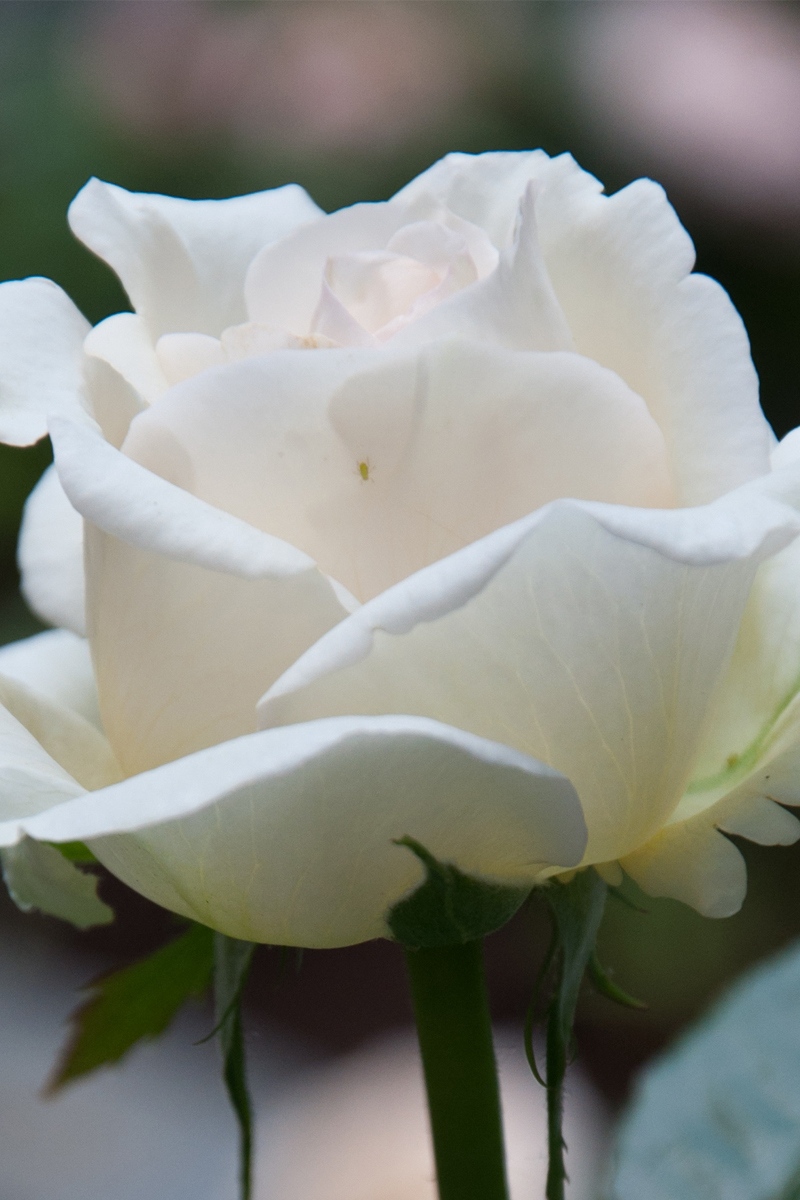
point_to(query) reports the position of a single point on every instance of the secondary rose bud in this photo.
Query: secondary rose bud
(441, 518)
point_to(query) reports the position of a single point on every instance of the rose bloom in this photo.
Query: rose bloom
(454, 516)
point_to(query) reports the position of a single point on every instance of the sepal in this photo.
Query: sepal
(450, 908)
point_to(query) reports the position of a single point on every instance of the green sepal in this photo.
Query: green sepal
(232, 960)
(577, 909)
(606, 987)
(136, 1002)
(77, 852)
(450, 908)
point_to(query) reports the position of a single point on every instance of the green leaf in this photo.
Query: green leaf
(450, 908)
(718, 1115)
(606, 987)
(77, 852)
(38, 876)
(134, 1003)
(232, 960)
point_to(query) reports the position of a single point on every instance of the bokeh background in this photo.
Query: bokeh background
(204, 99)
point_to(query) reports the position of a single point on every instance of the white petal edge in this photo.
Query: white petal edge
(50, 556)
(693, 861)
(621, 266)
(41, 357)
(755, 520)
(183, 262)
(132, 504)
(75, 744)
(514, 306)
(285, 836)
(123, 342)
(581, 649)
(482, 188)
(39, 877)
(56, 665)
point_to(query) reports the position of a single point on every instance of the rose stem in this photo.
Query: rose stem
(451, 1006)
(556, 1070)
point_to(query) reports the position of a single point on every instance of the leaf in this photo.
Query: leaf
(136, 1002)
(450, 908)
(577, 909)
(718, 1115)
(38, 876)
(76, 852)
(232, 960)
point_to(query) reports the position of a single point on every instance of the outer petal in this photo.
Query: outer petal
(124, 343)
(749, 757)
(56, 665)
(756, 715)
(41, 355)
(588, 636)
(482, 188)
(692, 860)
(77, 746)
(621, 269)
(221, 610)
(38, 876)
(183, 262)
(30, 779)
(50, 556)
(376, 464)
(133, 504)
(286, 836)
(620, 266)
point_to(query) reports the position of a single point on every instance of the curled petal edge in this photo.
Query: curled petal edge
(129, 502)
(754, 521)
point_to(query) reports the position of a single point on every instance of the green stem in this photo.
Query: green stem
(556, 1070)
(455, 1037)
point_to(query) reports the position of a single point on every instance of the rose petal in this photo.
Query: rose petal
(284, 281)
(484, 189)
(181, 666)
(286, 836)
(41, 357)
(756, 716)
(183, 262)
(221, 608)
(30, 779)
(58, 666)
(378, 464)
(588, 636)
(182, 355)
(38, 876)
(514, 306)
(50, 556)
(131, 503)
(71, 741)
(620, 266)
(123, 341)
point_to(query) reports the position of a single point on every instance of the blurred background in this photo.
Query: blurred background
(204, 99)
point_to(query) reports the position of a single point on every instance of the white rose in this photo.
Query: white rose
(437, 517)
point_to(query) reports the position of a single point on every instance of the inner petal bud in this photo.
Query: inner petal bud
(378, 286)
